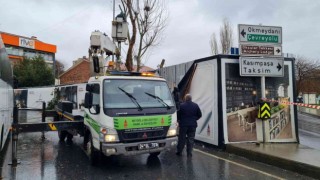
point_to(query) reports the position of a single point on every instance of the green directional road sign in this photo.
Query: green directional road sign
(262, 38)
(264, 111)
(260, 34)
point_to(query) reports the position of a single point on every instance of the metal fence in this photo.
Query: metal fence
(174, 74)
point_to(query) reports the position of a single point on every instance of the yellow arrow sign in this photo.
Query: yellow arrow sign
(266, 114)
(52, 127)
(265, 106)
(264, 111)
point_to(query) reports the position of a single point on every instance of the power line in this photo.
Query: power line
(64, 20)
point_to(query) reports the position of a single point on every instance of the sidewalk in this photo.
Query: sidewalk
(291, 156)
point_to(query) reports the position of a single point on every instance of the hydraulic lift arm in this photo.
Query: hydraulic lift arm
(100, 44)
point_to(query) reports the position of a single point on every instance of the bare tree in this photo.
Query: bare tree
(151, 24)
(59, 68)
(226, 36)
(307, 74)
(151, 20)
(129, 9)
(214, 44)
(226, 39)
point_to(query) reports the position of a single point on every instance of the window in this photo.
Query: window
(50, 57)
(14, 51)
(132, 93)
(29, 54)
(20, 52)
(46, 56)
(96, 94)
(9, 50)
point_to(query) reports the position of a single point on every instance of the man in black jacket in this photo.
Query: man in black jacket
(188, 115)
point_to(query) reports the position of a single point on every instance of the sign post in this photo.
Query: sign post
(261, 55)
(263, 96)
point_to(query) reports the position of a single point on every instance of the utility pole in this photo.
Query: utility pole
(119, 33)
(114, 7)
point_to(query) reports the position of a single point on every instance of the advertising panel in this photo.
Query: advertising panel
(279, 91)
(243, 97)
(203, 89)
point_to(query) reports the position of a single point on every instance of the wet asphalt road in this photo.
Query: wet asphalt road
(51, 159)
(54, 160)
(308, 135)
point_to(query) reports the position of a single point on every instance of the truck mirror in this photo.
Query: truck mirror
(88, 100)
(89, 88)
(96, 67)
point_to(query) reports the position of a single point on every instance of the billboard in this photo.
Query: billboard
(241, 105)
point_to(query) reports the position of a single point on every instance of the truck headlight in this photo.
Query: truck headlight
(172, 131)
(111, 138)
(108, 135)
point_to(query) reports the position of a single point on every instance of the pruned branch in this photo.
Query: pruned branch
(151, 23)
(148, 20)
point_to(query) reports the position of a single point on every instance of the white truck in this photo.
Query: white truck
(125, 113)
(128, 115)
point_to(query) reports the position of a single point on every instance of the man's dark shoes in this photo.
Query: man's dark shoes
(178, 153)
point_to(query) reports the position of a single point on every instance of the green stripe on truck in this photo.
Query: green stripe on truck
(141, 121)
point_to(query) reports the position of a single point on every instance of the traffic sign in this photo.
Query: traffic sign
(269, 67)
(260, 50)
(260, 34)
(234, 50)
(264, 111)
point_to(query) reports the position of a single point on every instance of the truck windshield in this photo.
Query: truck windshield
(139, 94)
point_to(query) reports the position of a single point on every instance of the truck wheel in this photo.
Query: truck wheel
(93, 154)
(69, 137)
(62, 135)
(155, 154)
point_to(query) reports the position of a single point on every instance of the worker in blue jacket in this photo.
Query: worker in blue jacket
(188, 115)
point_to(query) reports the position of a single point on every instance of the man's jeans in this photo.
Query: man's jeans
(186, 134)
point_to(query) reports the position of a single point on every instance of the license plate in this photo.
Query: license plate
(148, 146)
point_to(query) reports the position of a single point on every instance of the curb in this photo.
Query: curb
(301, 168)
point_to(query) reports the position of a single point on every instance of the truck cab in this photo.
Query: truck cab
(127, 114)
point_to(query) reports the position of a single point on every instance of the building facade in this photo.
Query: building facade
(19, 47)
(78, 73)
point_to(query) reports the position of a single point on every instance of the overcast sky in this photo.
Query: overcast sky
(69, 23)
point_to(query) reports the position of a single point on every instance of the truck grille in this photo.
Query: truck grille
(149, 135)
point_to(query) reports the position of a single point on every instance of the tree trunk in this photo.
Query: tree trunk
(129, 60)
(139, 54)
